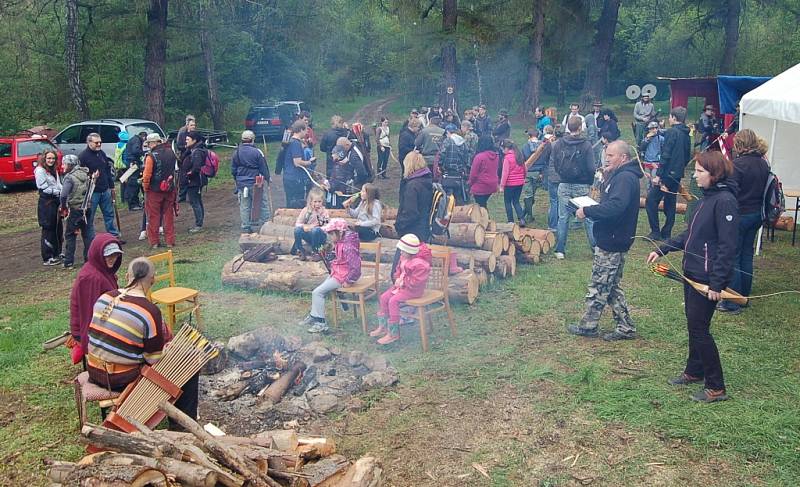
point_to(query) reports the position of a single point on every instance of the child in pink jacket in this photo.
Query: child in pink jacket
(410, 279)
(512, 180)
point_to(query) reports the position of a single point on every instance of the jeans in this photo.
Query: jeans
(567, 191)
(654, 197)
(552, 213)
(315, 238)
(75, 223)
(106, 204)
(511, 200)
(318, 296)
(196, 200)
(246, 201)
(703, 358)
(743, 270)
(383, 159)
(482, 199)
(295, 193)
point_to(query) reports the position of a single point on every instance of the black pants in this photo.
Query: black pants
(511, 200)
(383, 159)
(703, 358)
(482, 199)
(76, 222)
(196, 200)
(52, 227)
(295, 193)
(456, 186)
(654, 197)
(366, 234)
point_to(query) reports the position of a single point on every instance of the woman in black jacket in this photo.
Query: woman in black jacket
(750, 171)
(709, 248)
(192, 160)
(405, 141)
(610, 130)
(416, 197)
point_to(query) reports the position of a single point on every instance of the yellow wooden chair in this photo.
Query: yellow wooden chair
(178, 300)
(435, 298)
(363, 289)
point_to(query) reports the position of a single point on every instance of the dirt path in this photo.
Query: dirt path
(371, 112)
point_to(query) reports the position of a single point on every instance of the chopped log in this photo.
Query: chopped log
(283, 232)
(281, 439)
(221, 452)
(285, 274)
(545, 246)
(536, 248)
(115, 475)
(510, 264)
(327, 472)
(482, 275)
(492, 226)
(506, 242)
(107, 439)
(319, 445)
(493, 242)
(512, 249)
(484, 217)
(387, 213)
(188, 474)
(466, 214)
(512, 229)
(469, 235)
(680, 208)
(541, 235)
(463, 287)
(526, 258)
(277, 389)
(524, 243)
(365, 472)
(466, 258)
(280, 245)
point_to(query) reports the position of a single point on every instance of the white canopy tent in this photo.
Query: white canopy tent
(772, 111)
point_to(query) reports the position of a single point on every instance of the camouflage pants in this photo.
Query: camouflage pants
(533, 181)
(604, 290)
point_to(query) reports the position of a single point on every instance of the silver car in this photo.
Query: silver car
(72, 140)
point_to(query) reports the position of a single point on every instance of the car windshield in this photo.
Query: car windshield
(148, 127)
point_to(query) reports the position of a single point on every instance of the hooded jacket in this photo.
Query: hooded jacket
(709, 244)
(750, 173)
(405, 142)
(346, 267)
(453, 158)
(564, 147)
(616, 216)
(414, 211)
(675, 153)
(192, 160)
(248, 162)
(414, 271)
(483, 178)
(429, 141)
(94, 279)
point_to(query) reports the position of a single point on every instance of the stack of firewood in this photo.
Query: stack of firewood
(199, 458)
(481, 248)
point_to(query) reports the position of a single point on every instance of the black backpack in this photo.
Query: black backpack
(163, 176)
(774, 203)
(569, 165)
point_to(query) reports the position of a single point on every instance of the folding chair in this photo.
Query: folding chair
(435, 298)
(178, 300)
(363, 289)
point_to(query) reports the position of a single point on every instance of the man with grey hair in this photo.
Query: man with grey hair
(251, 174)
(615, 219)
(94, 159)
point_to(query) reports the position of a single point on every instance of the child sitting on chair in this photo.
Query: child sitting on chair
(410, 279)
(345, 269)
(308, 225)
(367, 213)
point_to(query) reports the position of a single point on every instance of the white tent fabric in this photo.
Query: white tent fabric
(773, 111)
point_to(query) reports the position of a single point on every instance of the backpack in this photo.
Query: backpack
(211, 166)
(441, 210)
(774, 201)
(568, 166)
(119, 160)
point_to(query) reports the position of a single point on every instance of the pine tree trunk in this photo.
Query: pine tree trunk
(73, 69)
(734, 8)
(535, 44)
(217, 114)
(449, 62)
(597, 70)
(155, 53)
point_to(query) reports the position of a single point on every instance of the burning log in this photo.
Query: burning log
(275, 391)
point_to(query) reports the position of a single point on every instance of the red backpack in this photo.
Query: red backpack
(211, 166)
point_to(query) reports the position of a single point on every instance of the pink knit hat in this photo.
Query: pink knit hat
(409, 244)
(335, 224)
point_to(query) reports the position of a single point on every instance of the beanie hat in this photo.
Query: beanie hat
(409, 244)
(339, 224)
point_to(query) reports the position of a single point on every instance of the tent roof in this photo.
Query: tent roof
(732, 88)
(778, 98)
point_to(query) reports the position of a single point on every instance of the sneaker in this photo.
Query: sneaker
(731, 308)
(50, 262)
(154, 247)
(143, 235)
(559, 255)
(307, 321)
(710, 395)
(684, 379)
(194, 230)
(618, 335)
(161, 230)
(319, 327)
(584, 332)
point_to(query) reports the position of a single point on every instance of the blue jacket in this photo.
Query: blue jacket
(652, 148)
(528, 149)
(248, 162)
(616, 216)
(542, 123)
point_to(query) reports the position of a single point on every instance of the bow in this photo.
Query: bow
(682, 191)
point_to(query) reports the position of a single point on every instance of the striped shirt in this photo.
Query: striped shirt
(132, 335)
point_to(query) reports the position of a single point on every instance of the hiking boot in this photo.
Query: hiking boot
(710, 395)
(194, 230)
(142, 235)
(656, 236)
(726, 307)
(684, 379)
(618, 335)
(522, 222)
(307, 321)
(584, 332)
(319, 327)
(559, 255)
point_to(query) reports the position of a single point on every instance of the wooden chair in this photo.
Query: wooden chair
(435, 298)
(178, 300)
(363, 289)
(86, 391)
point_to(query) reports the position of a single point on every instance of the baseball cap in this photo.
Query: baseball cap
(111, 249)
(154, 137)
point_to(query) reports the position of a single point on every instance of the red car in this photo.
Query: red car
(18, 154)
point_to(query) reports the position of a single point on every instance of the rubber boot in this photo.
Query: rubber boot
(381, 330)
(528, 214)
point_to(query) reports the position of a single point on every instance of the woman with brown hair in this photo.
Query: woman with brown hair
(750, 171)
(48, 183)
(709, 248)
